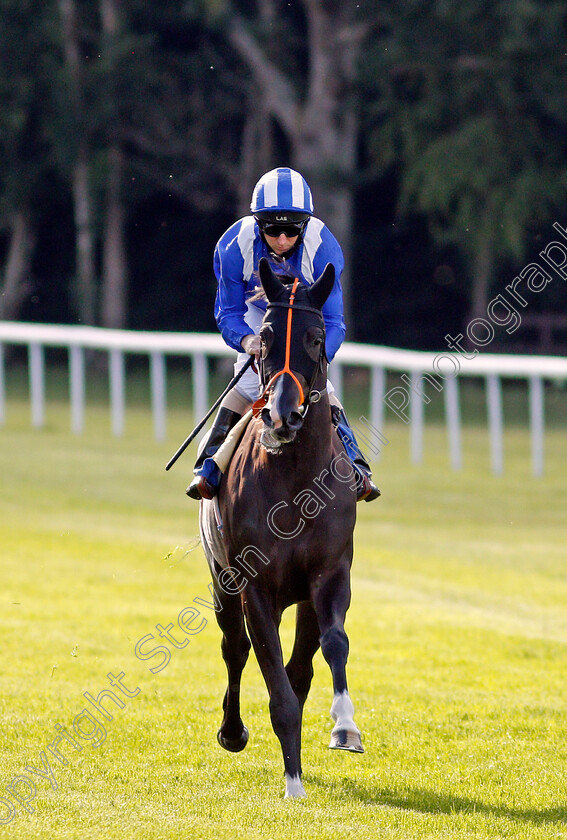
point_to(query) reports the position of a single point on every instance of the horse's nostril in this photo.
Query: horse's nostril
(295, 421)
(266, 417)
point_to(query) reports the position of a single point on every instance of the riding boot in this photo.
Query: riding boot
(207, 474)
(365, 487)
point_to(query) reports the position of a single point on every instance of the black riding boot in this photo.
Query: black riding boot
(207, 474)
(365, 487)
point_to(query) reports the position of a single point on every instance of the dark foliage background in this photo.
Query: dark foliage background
(131, 136)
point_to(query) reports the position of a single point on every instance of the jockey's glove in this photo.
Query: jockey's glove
(251, 344)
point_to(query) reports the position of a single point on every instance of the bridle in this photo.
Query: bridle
(312, 396)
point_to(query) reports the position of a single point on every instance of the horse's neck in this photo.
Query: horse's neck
(317, 427)
(313, 448)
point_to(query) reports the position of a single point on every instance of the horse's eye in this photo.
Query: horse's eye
(266, 339)
(312, 341)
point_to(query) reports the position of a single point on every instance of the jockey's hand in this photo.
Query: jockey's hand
(251, 344)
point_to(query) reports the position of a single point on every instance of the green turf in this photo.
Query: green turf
(458, 633)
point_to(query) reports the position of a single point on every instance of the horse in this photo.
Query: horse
(287, 505)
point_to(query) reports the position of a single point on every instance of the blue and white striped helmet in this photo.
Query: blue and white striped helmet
(282, 190)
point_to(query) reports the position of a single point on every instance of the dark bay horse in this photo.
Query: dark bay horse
(288, 509)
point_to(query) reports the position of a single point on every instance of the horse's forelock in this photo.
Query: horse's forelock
(301, 291)
(286, 278)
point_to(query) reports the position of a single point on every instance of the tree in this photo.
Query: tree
(75, 146)
(114, 263)
(131, 108)
(24, 149)
(307, 86)
(471, 110)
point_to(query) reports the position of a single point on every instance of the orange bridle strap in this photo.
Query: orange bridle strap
(286, 368)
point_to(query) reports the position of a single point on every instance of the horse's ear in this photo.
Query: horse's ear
(322, 287)
(270, 282)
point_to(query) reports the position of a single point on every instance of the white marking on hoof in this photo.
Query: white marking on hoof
(293, 787)
(345, 734)
(342, 712)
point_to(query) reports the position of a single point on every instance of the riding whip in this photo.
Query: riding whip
(200, 425)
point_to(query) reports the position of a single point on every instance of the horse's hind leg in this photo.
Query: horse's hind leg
(331, 601)
(235, 645)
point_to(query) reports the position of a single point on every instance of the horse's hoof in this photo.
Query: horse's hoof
(345, 740)
(233, 744)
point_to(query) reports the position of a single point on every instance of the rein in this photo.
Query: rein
(316, 396)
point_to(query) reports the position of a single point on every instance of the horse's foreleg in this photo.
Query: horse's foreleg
(235, 645)
(299, 669)
(284, 705)
(331, 602)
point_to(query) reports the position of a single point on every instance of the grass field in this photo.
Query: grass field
(458, 632)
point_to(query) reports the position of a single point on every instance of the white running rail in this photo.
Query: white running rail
(440, 370)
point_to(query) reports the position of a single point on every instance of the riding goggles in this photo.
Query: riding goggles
(289, 229)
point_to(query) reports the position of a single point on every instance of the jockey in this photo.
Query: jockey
(283, 229)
